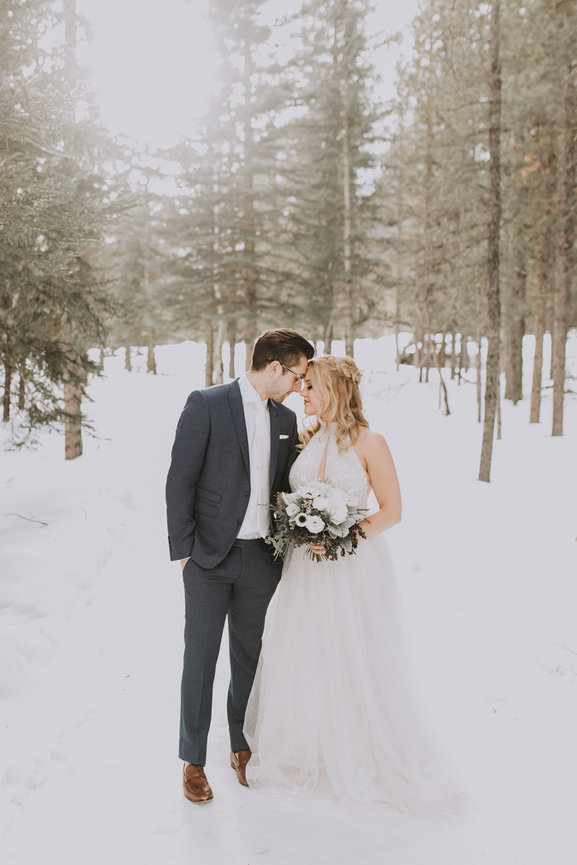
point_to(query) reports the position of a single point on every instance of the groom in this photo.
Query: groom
(233, 450)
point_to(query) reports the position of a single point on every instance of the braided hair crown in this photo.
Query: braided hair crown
(346, 367)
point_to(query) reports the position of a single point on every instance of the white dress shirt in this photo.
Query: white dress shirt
(256, 523)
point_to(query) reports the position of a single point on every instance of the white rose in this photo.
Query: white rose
(310, 490)
(315, 524)
(292, 509)
(338, 512)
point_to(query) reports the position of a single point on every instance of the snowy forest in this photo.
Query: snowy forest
(302, 196)
(397, 181)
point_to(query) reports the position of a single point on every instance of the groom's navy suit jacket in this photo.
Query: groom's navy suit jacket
(208, 485)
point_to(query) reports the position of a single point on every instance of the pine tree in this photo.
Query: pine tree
(334, 219)
(55, 205)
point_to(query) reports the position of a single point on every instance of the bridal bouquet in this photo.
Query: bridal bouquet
(316, 513)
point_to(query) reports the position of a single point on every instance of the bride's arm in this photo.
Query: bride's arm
(380, 468)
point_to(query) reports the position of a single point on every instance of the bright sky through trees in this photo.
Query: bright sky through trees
(151, 62)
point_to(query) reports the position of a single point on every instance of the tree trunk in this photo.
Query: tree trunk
(250, 322)
(220, 336)
(328, 335)
(127, 358)
(515, 333)
(400, 237)
(8, 373)
(349, 323)
(418, 356)
(209, 365)
(463, 357)
(75, 375)
(397, 320)
(442, 354)
(219, 340)
(479, 382)
(249, 276)
(424, 367)
(539, 325)
(22, 393)
(493, 262)
(73, 422)
(499, 417)
(231, 337)
(565, 144)
(231, 361)
(74, 380)
(561, 272)
(150, 354)
(442, 385)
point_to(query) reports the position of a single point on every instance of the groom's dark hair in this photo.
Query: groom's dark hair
(285, 345)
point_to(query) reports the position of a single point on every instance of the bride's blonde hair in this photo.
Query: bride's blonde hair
(336, 383)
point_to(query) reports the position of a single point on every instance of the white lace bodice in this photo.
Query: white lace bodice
(343, 468)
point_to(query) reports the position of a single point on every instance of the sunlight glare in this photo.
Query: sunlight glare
(150, 65)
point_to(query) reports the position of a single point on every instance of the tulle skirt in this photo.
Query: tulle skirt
(333, 708)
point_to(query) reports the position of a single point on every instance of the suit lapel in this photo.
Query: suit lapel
(237, 410)
(274, 439)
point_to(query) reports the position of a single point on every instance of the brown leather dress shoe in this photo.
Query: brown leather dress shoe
(238, 762)
(195, 785)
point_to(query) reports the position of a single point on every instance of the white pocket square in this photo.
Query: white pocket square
(282, 436)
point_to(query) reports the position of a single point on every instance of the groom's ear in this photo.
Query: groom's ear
(274, 368)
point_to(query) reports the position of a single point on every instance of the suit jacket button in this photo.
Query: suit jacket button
(246, 495)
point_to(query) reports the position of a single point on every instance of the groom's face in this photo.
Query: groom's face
(287, 380)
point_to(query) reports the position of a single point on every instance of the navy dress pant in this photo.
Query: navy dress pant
(240, 587)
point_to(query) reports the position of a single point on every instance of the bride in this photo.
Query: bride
(333, 707)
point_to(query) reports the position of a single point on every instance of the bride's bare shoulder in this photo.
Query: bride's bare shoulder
(372, 447)
(370, 439)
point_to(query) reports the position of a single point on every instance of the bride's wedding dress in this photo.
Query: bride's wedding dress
(333, 706)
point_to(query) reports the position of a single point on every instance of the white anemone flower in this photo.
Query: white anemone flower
(314, 524)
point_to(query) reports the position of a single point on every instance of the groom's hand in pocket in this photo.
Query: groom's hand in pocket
(183, 563)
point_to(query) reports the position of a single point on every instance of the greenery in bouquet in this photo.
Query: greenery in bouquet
(317, 513)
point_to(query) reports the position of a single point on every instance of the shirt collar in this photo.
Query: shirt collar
(249, 393)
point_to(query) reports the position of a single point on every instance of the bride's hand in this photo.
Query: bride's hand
(317, 549)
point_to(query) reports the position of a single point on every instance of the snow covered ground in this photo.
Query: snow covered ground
(91, 639)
